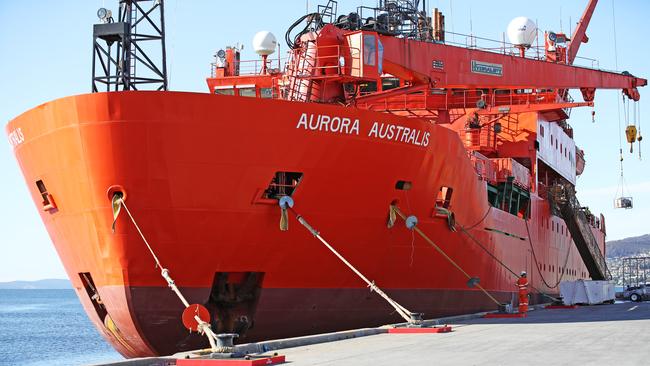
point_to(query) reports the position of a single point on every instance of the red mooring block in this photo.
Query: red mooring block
(560, 306)
(504, 315)
(274, 360)
(445, 329)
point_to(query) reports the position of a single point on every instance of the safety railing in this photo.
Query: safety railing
(480, 139)
(431, 99)
(522, 97)
(484, 167)
(509, 167)
(253, 67)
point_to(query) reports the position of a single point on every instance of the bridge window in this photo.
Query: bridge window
(247, 92)
(369, 50)
(227, 90)
(266, 92)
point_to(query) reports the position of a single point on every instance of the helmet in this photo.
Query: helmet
(523, 273)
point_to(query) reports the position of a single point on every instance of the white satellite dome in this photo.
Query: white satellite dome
(522, 31)
(264, 43)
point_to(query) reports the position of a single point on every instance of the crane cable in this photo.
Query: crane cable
(618, 108)
(203, 327)
(638, 105)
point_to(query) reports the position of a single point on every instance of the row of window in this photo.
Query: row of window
(555, 142)
(556, 227)
(561, 270)
(245, 91)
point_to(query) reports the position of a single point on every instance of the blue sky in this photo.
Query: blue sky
(46, 54)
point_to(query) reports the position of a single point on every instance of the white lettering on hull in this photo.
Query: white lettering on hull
(325, 123)
(16, 137)
(387, 131)
(379, 130)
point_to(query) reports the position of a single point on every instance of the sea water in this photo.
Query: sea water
(48, 327)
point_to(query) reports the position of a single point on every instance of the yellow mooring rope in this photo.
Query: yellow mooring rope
(203, 327)
(399, 213)
(410, 317)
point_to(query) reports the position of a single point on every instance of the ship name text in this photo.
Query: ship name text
(16, 137)
(487, 68)
(349, 126)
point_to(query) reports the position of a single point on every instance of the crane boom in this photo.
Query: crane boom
(579, 35)
(446, 66)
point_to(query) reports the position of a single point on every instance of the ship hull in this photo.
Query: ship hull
(194, 168)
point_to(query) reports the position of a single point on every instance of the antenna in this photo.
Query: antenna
(129, 52)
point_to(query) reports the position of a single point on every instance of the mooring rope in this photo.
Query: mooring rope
(203, 327)
(442, 252)
(566, 260)
(401, 310)
(514, 274)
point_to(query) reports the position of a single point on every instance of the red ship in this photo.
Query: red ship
(373, 110)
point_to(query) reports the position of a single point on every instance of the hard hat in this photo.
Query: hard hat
(523, 273)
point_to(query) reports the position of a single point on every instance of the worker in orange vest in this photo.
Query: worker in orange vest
(522, 284)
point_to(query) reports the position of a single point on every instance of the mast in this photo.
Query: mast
(138, 59)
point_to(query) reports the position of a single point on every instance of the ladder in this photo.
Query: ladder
(328, 12)
(300, 75)
(132, 51)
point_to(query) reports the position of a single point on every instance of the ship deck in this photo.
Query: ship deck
(601, 334)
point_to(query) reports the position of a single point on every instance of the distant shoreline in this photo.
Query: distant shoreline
(45, 284)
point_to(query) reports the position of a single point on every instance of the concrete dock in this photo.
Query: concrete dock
(590, 335)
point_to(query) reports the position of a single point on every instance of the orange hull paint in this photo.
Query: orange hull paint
(192, 166)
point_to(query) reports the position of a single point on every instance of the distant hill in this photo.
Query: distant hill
(47, 284)
(638, 245)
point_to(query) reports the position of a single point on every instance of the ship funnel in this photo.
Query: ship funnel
(264, 43)
(522, 32)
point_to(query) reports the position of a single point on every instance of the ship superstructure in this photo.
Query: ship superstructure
(372, 110)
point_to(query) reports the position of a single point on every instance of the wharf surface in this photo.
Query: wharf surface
(588, 335)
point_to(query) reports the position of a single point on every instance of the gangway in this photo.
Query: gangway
(563, 195)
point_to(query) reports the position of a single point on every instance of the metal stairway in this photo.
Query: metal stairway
(563, 196)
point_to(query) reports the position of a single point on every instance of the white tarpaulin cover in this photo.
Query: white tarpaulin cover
(586, 292)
